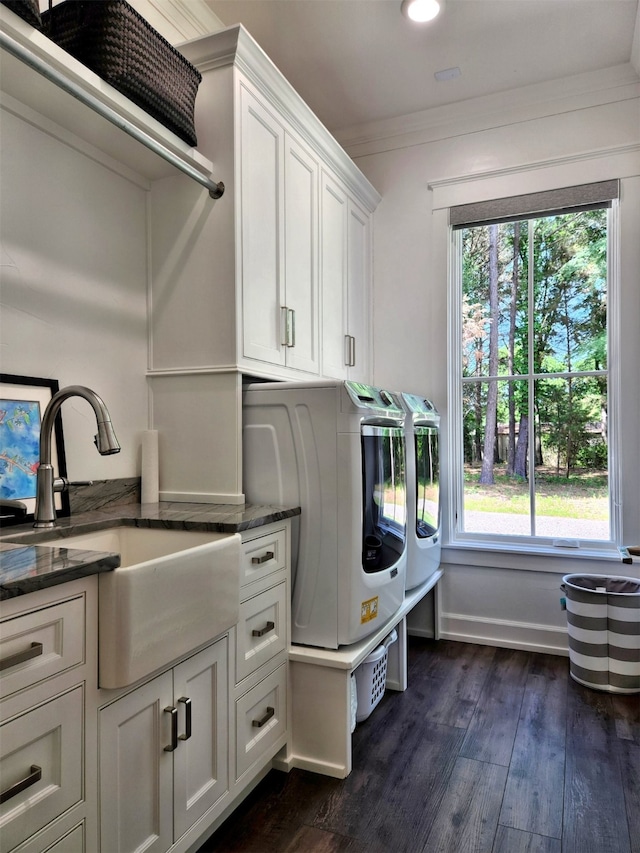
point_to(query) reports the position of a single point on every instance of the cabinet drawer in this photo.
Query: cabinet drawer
(72, 842)
(263, 556)
(40, 766)
(260, 719)
(262, 630)
(39, 644)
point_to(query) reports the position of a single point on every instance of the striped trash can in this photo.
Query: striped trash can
(603, 616)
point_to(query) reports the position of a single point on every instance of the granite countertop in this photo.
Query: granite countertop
(26, 566)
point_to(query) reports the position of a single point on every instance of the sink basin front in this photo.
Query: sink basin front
(174, 591)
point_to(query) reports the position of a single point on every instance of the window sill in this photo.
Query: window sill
(537, 559)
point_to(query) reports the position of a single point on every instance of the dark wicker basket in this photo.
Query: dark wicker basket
(27, 9)
(112, 39)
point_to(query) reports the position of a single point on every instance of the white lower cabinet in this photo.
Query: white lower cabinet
(47, 663)
(261, 720)
(163, 754)
(40, 766)
(156, 766)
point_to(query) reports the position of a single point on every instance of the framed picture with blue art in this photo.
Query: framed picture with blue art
(23, 400)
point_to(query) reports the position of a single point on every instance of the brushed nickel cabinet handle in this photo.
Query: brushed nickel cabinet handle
(268, 555)
(34, 651)
(291, 331)
(284, 326)
(262, 631)
(187, 717)
(35, 775)
(258, 724)
(174, 728)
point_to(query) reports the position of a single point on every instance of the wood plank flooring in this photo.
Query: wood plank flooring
(488, 751)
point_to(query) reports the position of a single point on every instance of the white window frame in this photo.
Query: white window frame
(539, 544)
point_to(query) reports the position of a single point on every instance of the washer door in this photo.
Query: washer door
(384, 492)
(427, 495)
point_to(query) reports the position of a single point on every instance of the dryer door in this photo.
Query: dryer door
(384, 494)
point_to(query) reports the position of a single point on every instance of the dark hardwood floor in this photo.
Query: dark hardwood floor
(488, 751)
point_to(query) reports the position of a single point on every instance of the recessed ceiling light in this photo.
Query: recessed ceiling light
(447, 74)
(421, 11)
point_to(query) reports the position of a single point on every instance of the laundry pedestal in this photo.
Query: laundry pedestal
(322, 693)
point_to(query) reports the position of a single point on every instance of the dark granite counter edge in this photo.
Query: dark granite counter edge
(25, 567)
(28, 568)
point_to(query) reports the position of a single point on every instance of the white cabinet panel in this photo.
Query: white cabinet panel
(261, 719)
(135, 770)
(261, 631)
(345, 245)
(41, 766)
(359, 291)
(301, 256)
(333, 267)
(262, 193)
(200, 762)
(261, 557)
(164, 754)
(40, 644)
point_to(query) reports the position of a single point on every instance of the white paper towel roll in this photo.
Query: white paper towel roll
(150, 485)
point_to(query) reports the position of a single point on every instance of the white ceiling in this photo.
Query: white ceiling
(358, 61)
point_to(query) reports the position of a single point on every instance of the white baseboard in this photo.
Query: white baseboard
(527, 636)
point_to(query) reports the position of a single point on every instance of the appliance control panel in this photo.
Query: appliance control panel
(369, 397)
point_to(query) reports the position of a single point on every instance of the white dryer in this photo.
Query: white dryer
(337, 450)
(422, 428)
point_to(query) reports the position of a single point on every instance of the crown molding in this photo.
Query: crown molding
(179, 20)
(620, 161)
(234, 46)
(514, 106)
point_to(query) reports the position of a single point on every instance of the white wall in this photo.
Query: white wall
(73, 283)
(495, 598)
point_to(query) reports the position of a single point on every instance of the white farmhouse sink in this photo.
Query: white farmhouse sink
(174, 591)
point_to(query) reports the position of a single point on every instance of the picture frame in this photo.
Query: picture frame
(23, 400)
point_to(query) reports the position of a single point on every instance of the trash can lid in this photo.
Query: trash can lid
(606, 584)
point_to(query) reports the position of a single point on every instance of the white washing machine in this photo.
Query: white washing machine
(337, 450)
(422, 429)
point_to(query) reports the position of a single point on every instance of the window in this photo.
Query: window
(532, 389)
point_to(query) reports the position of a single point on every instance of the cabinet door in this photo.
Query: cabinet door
(359, 292)
(201, 774)
(135, 770)
(261, 232)
(301, 258)
(333, 266)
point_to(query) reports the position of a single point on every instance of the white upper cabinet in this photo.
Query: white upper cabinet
(334, 279)
(345, 284)
(246, 285)
(278, 221)
(261, 231)
(301, 311)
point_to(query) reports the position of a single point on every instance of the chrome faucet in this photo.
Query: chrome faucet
(105, 441)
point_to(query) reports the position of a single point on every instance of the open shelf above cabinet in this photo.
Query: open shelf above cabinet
(38, 74)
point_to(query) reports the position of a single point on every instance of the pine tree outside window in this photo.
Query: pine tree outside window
(533, 443)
